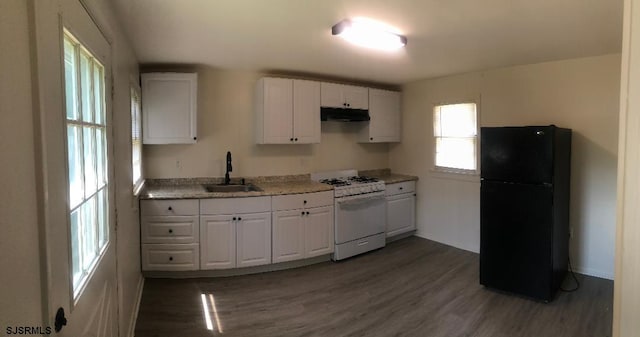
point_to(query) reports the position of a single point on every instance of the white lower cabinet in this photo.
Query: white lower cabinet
(302, 226)
(218, 242)
(253, 239)
(235, 232)
(401, 208)
(169, 234)
(318, 231)
(288, 236)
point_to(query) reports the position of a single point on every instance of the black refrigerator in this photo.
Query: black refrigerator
(524, 209)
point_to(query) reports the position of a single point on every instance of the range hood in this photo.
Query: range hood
(344, 115)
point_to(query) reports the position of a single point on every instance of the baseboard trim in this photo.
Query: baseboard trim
(593, 272)
(134, 318)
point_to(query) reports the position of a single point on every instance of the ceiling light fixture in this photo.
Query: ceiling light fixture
(369, 33)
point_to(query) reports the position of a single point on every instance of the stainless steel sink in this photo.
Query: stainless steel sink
(231, 188)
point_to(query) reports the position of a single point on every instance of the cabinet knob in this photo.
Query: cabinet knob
(400, 188)
(296, 139)
(195, 138)
(234, 218)
(302, 213)
(371, 138)
(170, 258)
(170, 231)
(344, 104)
(415, 195)
(348, 105)
(291, 139)
(170, 208)
(305, 201)
(307, 213)
(239, 219)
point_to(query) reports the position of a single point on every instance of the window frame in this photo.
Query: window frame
(101, 187)
(456, 173)
(139, 183)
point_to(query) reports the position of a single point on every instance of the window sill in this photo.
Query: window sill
(438, 173)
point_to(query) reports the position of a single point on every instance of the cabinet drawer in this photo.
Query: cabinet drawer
(170, 257)
(399, 188)
(304, 200)
(170, 229)
(169, 207)
(235, 205)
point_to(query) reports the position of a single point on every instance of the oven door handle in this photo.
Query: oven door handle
(360, 200)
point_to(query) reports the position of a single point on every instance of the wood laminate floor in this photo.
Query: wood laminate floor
(413, 287)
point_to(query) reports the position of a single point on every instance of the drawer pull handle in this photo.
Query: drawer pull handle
(170, 258)
(362, 243)
(170, 231)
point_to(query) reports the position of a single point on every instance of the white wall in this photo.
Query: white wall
(226, 123)
(581, 94)
(19, 254)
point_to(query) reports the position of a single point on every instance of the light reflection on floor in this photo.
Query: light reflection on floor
(207, 312)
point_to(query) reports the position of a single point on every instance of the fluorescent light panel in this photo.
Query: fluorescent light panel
(369, 33)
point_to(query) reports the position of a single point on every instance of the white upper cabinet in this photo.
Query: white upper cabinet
(384, 110)
(287, 111)
(334, 95)
(169, 108)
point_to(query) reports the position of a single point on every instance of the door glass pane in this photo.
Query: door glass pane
(75, 246)
(70, 80)
(98, 91)
(89, 247)
(85, 87)
(74, 154)
(102, 218)
(90, 174)
(100, 157)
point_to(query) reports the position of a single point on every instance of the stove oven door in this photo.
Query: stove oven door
(360, 216)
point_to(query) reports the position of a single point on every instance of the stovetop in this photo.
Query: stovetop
(347, 183)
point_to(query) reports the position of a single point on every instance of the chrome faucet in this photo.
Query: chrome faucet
(227, 180)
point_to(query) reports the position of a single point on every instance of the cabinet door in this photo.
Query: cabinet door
(288, 236)
(331, 95)
(278, 111)
(306, 112)
(401, 214)
(253, 232)
(318, 231)
(384, 110)
(169, 108)
(217, 242)
(356, 97)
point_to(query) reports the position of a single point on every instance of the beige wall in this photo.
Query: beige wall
(19, 254)
(581, 94)
(226, 123)
(626, 298)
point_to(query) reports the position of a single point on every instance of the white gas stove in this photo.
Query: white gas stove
(348, 183)
(360, 212)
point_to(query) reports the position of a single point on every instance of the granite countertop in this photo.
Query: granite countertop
(388, 177)
(192, 188)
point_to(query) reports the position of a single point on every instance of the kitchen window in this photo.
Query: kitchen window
(456, 137)
(136, 139)
(86, 133)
